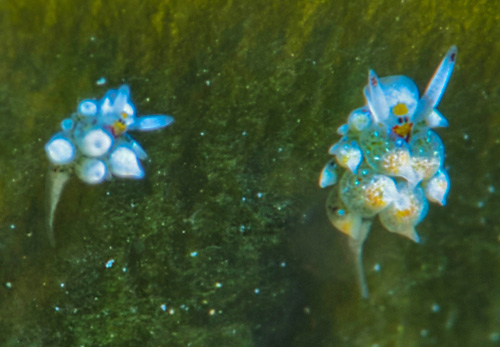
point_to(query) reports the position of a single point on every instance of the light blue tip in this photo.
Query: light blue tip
(151, 122)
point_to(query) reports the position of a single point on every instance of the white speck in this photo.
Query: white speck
(480, 204)
(124, 269)
(202, 133)
(8, 285)
(207, 82)
(194, 254)
(242, 228)
(110, 263)
(163, 307)
(57, 308)
(466, 137)
(280, 150)
(171, 311)
(377, 267)
(424, 332)
(211, 312)
(108, 193)
(256, 290)
(435, 308)
(101, 81)
(243, 199)
(12, 226)
(244, 133)
(218, 285)
(491, 189)
(62, 285)
(92, 38)
(283, 264)
(260, 195)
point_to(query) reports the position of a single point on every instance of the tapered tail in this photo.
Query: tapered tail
(56, 180)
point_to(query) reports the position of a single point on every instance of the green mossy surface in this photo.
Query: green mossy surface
(228, 228)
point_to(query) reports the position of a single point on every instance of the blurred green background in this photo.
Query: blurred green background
(226, 242)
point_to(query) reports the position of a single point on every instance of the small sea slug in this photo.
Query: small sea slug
(389, 161)
(94, 144)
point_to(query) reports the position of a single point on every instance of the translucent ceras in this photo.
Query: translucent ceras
(389, 160)
(94, 144)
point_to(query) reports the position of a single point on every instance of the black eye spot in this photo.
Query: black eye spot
(400, 120)
(406, 119)
(333, 208)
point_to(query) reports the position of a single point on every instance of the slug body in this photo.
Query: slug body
(390, 161)
(94, 144)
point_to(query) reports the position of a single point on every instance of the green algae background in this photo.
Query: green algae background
(226, 242)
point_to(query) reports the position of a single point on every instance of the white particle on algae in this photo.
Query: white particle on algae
(435, 308)
(101, 81)
(218, 285)
(194, 254)
(62, 285)
(12, 226)
(377, 267)
(171, 311)
(494, 337)
(256, 290)
(260, 195)
(110, 263)
(491, 189)
(8, 285)
(283, 264)
(163, 307)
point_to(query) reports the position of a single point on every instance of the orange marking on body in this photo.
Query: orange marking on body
(403, 131)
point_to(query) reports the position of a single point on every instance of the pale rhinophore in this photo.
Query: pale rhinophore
(391, 159)
(94, 144)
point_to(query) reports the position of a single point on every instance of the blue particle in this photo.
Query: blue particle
(163, 307)
(57, 308)
(194, 254)
(110, 263)
(101, 81)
